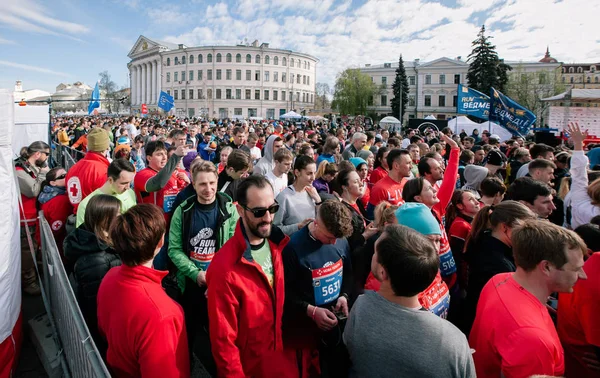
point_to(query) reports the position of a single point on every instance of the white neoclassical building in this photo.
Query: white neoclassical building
(248, 80)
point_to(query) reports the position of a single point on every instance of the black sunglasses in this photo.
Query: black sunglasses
(61, 177)
(260, 212)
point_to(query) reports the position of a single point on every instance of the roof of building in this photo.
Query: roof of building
(576, 95)
(547, 58)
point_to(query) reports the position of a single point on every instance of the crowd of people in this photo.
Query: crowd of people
(272, 249)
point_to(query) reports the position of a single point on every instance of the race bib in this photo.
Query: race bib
(327, 282)
(447, 264)
(169, 198)
(436, 298)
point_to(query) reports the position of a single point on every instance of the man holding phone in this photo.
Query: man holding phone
(318, 281)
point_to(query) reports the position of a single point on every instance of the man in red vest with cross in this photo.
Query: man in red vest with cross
(89, 173)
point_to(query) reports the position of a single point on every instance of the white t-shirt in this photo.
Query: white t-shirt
(255, 153)
(279, 183)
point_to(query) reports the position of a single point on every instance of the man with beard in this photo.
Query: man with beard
(31, 170)
(246, 289)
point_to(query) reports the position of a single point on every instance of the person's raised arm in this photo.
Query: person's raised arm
(159, 181)
(450, 175)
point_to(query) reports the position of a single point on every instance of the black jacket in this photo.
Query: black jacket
(92, 259)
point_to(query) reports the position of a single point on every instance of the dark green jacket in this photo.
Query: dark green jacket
(179, 234)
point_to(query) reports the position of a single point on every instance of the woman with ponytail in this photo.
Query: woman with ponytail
(54, 202)
(459, 215)
(325, 174)
(489, 249)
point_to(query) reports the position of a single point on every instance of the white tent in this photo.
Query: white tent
(290, 115)
(460, 123)
(430, 117)
(390, 123)
(10, 244)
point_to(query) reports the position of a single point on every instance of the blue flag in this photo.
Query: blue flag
(472, 102)
(165, 101)
(509, 114)
(94, 103)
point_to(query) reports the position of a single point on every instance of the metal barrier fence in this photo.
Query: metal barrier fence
(78, 348)
(66, 157)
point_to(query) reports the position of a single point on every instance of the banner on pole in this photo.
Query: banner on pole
(165, 101)
(472, 102)
(144, 109)
(509, 114)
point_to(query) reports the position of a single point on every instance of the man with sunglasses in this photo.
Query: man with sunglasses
(318, 282)
(246, 290)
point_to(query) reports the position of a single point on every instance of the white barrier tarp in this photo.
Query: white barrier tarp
(10, 242)
(30, 125)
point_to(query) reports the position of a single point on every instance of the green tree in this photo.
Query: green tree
(529, 88)
(353, 92)
(400, 90)
(109, 89)
(486, 69)
(322, 100)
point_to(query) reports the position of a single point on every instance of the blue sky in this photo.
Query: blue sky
(44, 43)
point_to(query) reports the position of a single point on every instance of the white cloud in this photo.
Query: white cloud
(6, 42)
(342, 35)
(168, 15)
(32, 68)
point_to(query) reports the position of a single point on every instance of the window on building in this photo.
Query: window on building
(252, 112)
(199, 58)
(199, 74)
(427, 79)
(228, 75)
(291, 62)
(283, 77)
(441, 100)
(175, 94)
(411, 100)
(257, 59)
(248, 58)
(304, 79)
(209, 58)
(383, 100)
(442, 79)
(309, 67)
(291, 78)
(238, 58)
(191, 59)
(218, 57)
(589, 79)
(266, 95)
(183, 94)
(218, 74)
(592, 69)
(579, 70)
(276, 60)
(298, 77)
(297, 96)
(169, 92)
(303, 97)
(571, 70)
(191, 75)
(168, 61)
(238, 74)
(248, 75)
(191, 94)
(248, 94)
(228, 94)
(218, 94)
(182, 75)
(457, 79)
(168, 77)
(228, 58)
(284, 61)
(571, 79)
(267, 60)
(176, 61)
(291, 96)
(209, 74)
(308, 80)
(454, 101)
(266, 75)
(200, 94)
(384, 80)
(275, 76)
(427, 100)
(283, 95)
(209, 94)
(257, 75)
(238, 94)
(411, 80)
(596, 79)
(257, 94)
(237, 111)
(275, 93)
(183, 61)
(176, 76)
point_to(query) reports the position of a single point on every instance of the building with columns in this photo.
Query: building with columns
(432, 85)
(242, 81)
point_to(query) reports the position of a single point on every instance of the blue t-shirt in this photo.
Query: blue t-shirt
(202, 243)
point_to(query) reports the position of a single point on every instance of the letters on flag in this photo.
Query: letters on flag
(94, 103)
(509, 114)
(165, 101)
(472, 102)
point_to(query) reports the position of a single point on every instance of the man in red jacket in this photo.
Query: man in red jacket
(89, 173)
(144, 328)
(246, 289)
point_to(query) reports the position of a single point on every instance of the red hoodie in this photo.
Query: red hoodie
(245, 311)
(87, 175)
(144, 328)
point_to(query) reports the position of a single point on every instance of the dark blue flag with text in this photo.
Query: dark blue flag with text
(165, 101)
(472, 102)
(509, 114)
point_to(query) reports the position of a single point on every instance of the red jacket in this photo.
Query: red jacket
(144, 328)
(56, 211)
(87, 175)
(245, 311)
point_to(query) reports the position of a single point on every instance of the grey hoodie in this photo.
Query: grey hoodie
(474, 175)
(266, 163)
